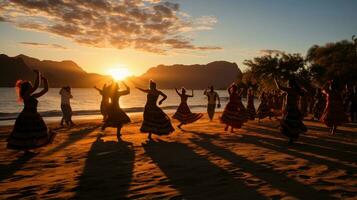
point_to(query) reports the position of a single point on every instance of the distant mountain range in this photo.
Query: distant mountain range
(219, 73)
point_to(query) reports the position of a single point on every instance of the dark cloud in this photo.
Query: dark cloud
(35, 44)
(270, 51)
(148, 25)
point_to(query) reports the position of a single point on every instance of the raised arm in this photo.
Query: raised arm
(143, 90)
(178, 92)
(44, 90)
(164, 97)
(241, 92)
(126, 91)
(99, 90)
(37, 81)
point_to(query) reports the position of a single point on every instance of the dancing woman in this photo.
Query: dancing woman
(334, 114)
(66, 108)
(155, 120)
(105, 103)
(319, 104)
(116, 116)
(183, 113)
(263, 109)
(250, 104)
(30, 131)
(291, 122)
(234, 114)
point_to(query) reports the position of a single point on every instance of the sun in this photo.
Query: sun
(119, 74)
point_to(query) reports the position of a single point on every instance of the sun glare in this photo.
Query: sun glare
(119, 74)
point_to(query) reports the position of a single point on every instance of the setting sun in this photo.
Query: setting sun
(119, 73)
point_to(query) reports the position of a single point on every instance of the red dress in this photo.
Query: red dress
(184, 114)
(235, 114)
(334, 114)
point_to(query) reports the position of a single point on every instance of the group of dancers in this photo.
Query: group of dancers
(30, 131)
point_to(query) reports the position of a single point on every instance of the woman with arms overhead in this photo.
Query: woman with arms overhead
(30, 131)
(183, 113)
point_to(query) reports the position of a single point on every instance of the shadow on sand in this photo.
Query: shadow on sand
(6, 171)
(107, 172)
(277, 180)
(194, 176)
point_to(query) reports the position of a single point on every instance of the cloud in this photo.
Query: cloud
(35, 44)
(149, 25)
(270, 51)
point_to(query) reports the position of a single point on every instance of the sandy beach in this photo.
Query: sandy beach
(199, 162)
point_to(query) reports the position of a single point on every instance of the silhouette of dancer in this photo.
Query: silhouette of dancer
(105, 103)
(183, 113)
(66, 95)
(334, 114)
(291, 122)
(30, 131)
(319, 105)
(263, 109)
(234, 114)
(116, 116)
(250, 104)
(155, 120)
(212, 97)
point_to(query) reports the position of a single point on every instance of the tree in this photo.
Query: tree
(333, 60)
(282, 66)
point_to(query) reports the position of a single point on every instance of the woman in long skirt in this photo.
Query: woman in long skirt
(263, 109)
(319, 105)
(183, 113)
(155, 120)
(291, 122)
(30, 131)
(334, 114)
(234, 114)
(105, 103)
(116, 116)
(250, 104)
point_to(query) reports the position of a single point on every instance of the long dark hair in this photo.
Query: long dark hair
(295, 85)
(22, 87)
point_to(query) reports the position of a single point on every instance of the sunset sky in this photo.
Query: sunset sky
(137, 34)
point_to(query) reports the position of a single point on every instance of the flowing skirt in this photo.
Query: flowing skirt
(30, 132)
(318, 109)
(234, 115)
(184, 114)
(264, 111)
(156, 121)
(116, 118)
(67, 112)
(291, 123)
(334, 115)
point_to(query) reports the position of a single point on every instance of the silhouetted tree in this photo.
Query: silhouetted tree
(333, 60)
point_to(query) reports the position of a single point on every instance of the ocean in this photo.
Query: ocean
(86, 102)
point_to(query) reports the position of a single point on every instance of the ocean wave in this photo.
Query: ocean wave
(58, 113)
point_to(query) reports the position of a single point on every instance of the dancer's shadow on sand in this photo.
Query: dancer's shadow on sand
(194, 176)
(7, 171)
(108, 171)
(277, 180)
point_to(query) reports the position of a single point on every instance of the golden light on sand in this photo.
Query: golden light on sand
(119, 73)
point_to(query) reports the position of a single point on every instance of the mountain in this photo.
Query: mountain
(58, 73)
(220, 74)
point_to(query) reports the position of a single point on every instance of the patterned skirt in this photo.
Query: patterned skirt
(184, 114)
(30, 132)
(66, 112)
(156, 121)
(116, 118)
(264, 111)
(291, 123)
(234, 115)
(334, 115)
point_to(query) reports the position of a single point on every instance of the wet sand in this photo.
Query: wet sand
(199, 162)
